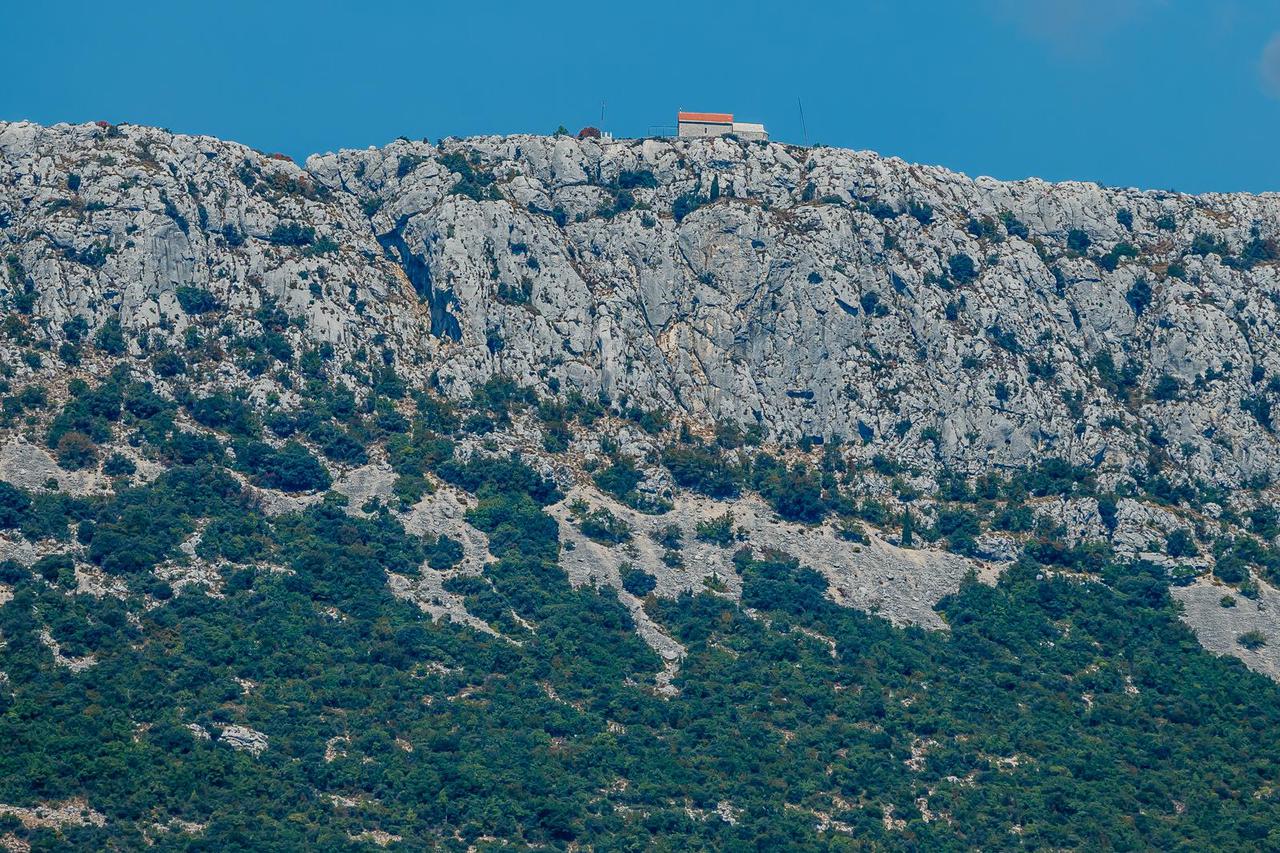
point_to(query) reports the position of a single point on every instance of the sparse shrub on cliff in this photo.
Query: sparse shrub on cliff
(962, 268)
(685, 204)
(1078, 241)
(292, 234)
(1205, 244)
(1116, 253)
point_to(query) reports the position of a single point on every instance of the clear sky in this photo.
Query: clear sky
(1181, 94)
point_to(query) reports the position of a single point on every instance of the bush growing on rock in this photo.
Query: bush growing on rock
(1116, 253)
(1166, 388)
(922, 212)
(57, 569)
(1078, 241)
(703, 470)
(110, 338)
(1138, 295)
(1252, 640)
(638, 582)
(116, 465)
(794, 493)
(1205, 244)
(75, 450)
(669, 536)
(620, 479)
(1014, 226)
(718, 530)
(600, 525)
(962, 267)
(1180, 543)
(292, 234)
(685, 204)
(444, 554)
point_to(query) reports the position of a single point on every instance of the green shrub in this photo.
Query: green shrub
(75, 450)
(717, 531)
(1252, 640)
(962, 267)
(168, 364)
(1258, 251)
(1120, 250)
(960, 527)
(1138, 295)
(116, 465)
(1166, 388)
(197, 300)
(636, 179)
(920, 212)
(1078, 241)
(292, 468)
(110, 338)
(669, 536)
(703, 470)
(1260, 407)
(685, 204)
(1015, 519)
(1014, 226)
(444, 554)
(619, 479)
(1204, 244)
(292, 234)
(794, 493)
(1179, 543)
(984, 228)
(852, 531)
(601, 525)
(407, 163)
(638, 582)
(222, 411)
(59, 569)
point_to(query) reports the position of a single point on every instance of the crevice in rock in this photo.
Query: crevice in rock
(443, 323)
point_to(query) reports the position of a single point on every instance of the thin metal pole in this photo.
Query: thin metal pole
(804, 127)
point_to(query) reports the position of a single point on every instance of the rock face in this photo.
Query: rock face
(244, 738)
(814, 292)
(1220, 618)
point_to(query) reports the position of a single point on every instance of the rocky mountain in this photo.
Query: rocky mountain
(817, 293)
(694, 360)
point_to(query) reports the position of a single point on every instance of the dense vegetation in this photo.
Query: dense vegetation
(1053, 714)
(1065, 708)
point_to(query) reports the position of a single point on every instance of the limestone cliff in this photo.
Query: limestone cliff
(816, 292)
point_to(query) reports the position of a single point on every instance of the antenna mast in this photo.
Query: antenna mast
(803, 126)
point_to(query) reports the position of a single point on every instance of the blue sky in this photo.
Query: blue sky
(1181, 94)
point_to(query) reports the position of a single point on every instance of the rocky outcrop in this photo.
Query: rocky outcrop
(816, 292)
(244, 739)
(1222, 618)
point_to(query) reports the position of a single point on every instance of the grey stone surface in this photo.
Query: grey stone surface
(244, 739)
(1219, 628)
(753, 308)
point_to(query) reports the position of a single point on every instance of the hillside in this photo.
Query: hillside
(536, 492)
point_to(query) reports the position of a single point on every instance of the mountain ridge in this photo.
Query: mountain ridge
(689, 329)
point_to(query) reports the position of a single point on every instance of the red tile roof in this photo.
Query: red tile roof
(709, 118)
